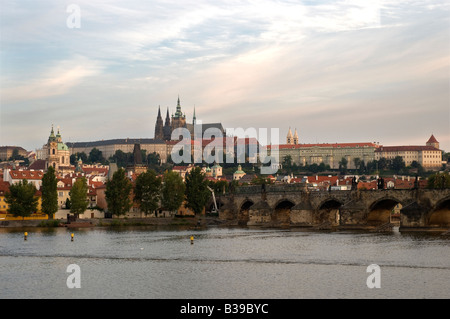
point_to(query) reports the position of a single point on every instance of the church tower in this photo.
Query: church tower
(295, 137)
(289, 138)
(167, 127)
(52, 147)
(179, 119)
(159, 132)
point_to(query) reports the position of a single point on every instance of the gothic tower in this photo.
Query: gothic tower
(167, 127)
(159, 132)
(179, 119)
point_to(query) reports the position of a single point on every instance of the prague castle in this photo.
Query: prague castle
(163, 131)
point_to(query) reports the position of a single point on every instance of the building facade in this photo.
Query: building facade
(326, 153)
(109, 147)
(429, 156)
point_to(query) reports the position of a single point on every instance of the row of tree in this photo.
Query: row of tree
(397, 165)
(23, 201)
(151, 193)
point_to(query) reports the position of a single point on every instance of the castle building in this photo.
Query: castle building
(177, 120)
(327, 153)
(429, 156)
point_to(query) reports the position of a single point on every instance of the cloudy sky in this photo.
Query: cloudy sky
(338, 71)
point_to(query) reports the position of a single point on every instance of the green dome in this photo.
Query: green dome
(62, 147)
(239, 171)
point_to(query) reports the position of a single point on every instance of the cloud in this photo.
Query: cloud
(317, 65)
(54, 80)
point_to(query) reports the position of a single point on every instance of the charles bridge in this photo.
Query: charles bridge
(295, 205)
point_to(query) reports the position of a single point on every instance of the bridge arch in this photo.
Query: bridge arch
(328, 211)
(440, 215)
(243, 213)
(282, 211)
(381, 211)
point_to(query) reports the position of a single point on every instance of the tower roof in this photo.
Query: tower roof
(289, 133)
(432, 139)
(52, 136)
(178, 112)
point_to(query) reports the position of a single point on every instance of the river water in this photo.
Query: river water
(236, 263)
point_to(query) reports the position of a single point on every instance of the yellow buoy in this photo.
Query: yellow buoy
(192, 239)
(71, 235)
(25, 235)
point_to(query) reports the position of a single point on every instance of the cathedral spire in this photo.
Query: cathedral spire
(194, 119)
(178, 112)
(159, 111)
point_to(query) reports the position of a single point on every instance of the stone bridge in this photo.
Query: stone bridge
(294, 205)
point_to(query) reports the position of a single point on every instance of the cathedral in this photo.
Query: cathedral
(163, 130)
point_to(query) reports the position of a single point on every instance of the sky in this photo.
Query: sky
(337, 71)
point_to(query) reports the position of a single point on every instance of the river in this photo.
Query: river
(237, 263)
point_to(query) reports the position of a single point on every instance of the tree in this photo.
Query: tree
(197, 193)
(121, 158)
(398, 164)
(343, 165)
(147, 191)
(21, 199)
(95, 156)
(78, 197)
(439, 180)
(118, 191)
(49, 193)
(172, 191)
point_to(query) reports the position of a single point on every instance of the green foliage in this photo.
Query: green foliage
(95, 156)
(78, 197)
(197, 193)
(49, 193)
(118, 191)
(172, 191)
(398, 164)
(21, 199)
(343, 165)
(147, 191)
(439, 181)
(259, 180)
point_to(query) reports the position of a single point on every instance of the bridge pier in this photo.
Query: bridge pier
(260, 214)
(282, 206)
(302, 214)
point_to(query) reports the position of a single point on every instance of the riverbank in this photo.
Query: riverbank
(198, 222)
(120, 222)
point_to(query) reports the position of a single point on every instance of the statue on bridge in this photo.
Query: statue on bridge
(354, 184)
(380, 183)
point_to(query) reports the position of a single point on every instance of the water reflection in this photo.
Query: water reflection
(223, 263)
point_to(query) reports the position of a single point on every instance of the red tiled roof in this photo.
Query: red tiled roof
(432, 140)
(29, 175)
(325, 145)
